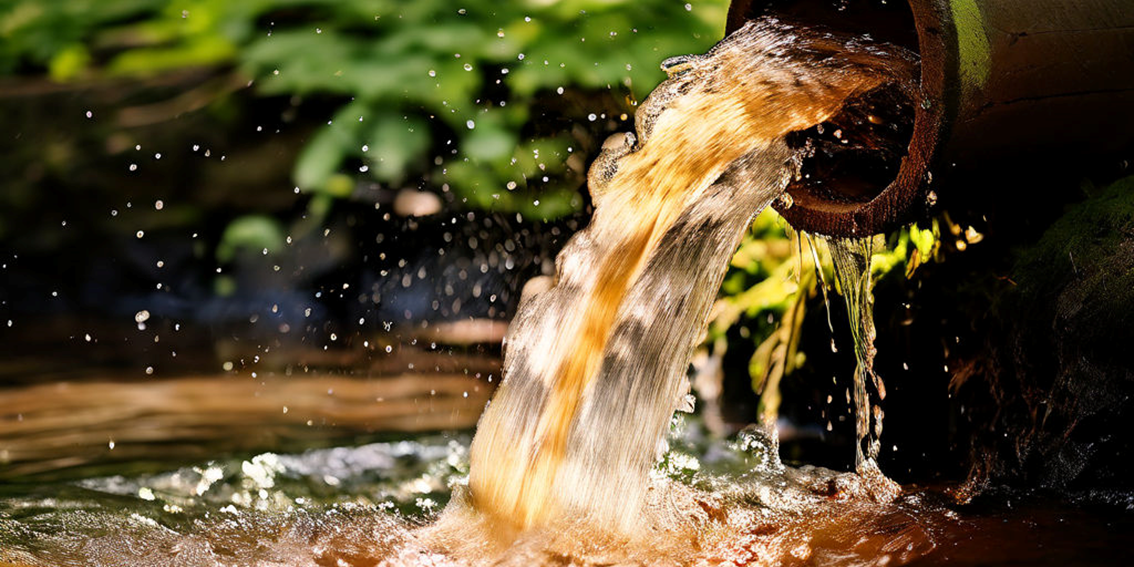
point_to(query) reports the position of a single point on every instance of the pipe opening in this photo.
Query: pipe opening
(857, 155)
(851, 158)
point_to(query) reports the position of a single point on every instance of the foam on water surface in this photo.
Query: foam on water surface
(595, 366)
(564, 467)
(707, 503)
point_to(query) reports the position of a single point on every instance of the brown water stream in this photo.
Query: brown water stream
(594, 366)
(578, 459)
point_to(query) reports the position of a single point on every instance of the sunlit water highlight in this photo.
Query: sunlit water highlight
(851, 258)
(374, 505)
(377, 505)
(564, 468)
(595, 366)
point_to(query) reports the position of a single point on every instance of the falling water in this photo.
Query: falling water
(562, 467)
(851, 258)
(595, 366)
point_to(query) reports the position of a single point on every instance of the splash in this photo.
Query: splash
(595, 366)
(743, 507)
(562, 469)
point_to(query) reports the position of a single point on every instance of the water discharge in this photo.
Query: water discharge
(851, 258)
(563, 467)
(595, 366)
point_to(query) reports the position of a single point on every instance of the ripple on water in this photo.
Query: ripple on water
(283, 510)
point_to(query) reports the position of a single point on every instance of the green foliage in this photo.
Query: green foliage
(253, 233)
(434, 91)
(776, 271)
(443, 95)
(1085, 256)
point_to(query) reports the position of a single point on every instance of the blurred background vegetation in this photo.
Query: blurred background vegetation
(323, 175)
(269, 124)
(424, 93)
(275, 187)
(217, 150)
(298, 190)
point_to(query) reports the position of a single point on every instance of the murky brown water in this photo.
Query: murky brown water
(572, 464)
(379, 504)
(594, 366)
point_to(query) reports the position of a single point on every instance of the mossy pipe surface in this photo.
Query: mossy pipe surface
(1038, 84)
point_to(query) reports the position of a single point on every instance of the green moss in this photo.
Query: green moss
(1084, 266)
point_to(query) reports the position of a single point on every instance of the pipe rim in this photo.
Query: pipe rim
(907, 195)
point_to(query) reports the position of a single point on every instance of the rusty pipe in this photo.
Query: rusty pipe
(1036, 84)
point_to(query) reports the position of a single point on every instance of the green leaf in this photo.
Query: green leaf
(204, 51)
(395, 143)
(252, 233)
(69, 63)
(323, 156)
(489, 139)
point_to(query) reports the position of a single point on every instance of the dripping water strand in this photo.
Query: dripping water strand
(852, 262)
(814, 247)
(851, 258)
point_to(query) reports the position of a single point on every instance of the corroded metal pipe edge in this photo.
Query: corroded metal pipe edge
(908, 194)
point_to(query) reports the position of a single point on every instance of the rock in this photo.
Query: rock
(1056, 397)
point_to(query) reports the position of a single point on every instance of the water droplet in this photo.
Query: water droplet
(675, 66)
(472, 124)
